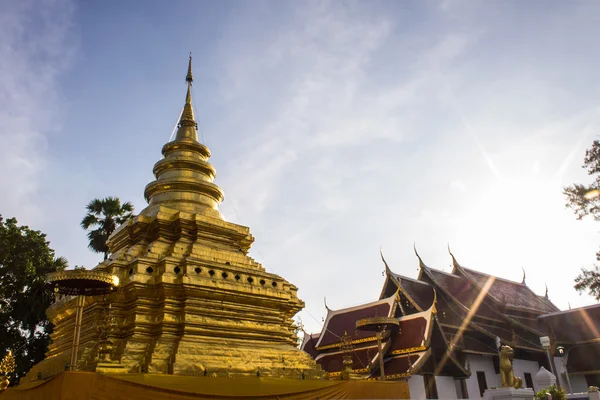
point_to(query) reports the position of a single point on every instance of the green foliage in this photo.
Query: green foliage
(25, 259)
(102, 218)
(584, 200)
(589, 280)
(556, 393)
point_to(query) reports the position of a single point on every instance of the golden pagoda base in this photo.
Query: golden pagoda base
(92, 385)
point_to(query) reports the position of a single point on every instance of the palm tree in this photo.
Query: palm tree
(104, 215)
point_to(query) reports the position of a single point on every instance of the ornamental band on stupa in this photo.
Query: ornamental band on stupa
(191, 301)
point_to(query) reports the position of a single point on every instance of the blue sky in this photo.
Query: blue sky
(336, 128)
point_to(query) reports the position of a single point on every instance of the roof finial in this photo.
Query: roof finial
(546, 295)
(325, 302)
(388, 271)
(454, 263)
(523, 281)
(421, 264)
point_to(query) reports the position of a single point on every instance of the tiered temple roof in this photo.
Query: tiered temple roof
(443, 316)
(340, 322)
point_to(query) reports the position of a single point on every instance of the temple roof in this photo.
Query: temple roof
(340, 322)
(515, 295)
(420, 294)
(574, 326)
(461, 290)
(308, 343)
(532, 323)
(469, 342)
(448, 358)
(413, 333)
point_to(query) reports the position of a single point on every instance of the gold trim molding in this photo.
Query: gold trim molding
(357, 341)
(409, 350)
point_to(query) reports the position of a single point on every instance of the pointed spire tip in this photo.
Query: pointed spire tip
(187, 115)
(189, 78)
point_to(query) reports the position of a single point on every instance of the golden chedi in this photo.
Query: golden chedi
(191, 301)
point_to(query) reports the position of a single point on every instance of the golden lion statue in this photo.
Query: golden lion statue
(507, 375)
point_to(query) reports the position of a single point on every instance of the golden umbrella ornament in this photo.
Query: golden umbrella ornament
(378, 325)
(81, 283)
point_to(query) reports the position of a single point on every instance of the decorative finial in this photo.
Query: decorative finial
(523, 281)
(421, 264)
(387, 268)
(569, 305)
(454, 263)
(189, 77)
(325, 302)
(546, 295)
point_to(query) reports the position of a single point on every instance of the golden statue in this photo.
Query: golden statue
(507, 374)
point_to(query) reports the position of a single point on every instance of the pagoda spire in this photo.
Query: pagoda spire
(187, 123)
(189, 77)
(184, 177)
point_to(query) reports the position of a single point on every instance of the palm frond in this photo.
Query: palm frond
(122, 219)
(89, 220)
(60, 263)
(97, 239)
(127, 207)
(112, 206)
(95, 206)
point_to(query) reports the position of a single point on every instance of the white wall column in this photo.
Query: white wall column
(416, 385)
(484, 364)
(445, 387)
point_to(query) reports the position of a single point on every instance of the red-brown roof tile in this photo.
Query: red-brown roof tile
(512, 294)
(308, 344)
(343, 321)
(574, 326)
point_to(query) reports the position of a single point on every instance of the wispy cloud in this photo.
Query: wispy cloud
(36, 47)
(314, 158)
(332, 103)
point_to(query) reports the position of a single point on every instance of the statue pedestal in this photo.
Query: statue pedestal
(508, 394)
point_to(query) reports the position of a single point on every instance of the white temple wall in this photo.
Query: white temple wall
(522, 366)
(578, 382)
(445, 387)
(486, 365)
(458, 389)
(416, 385)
